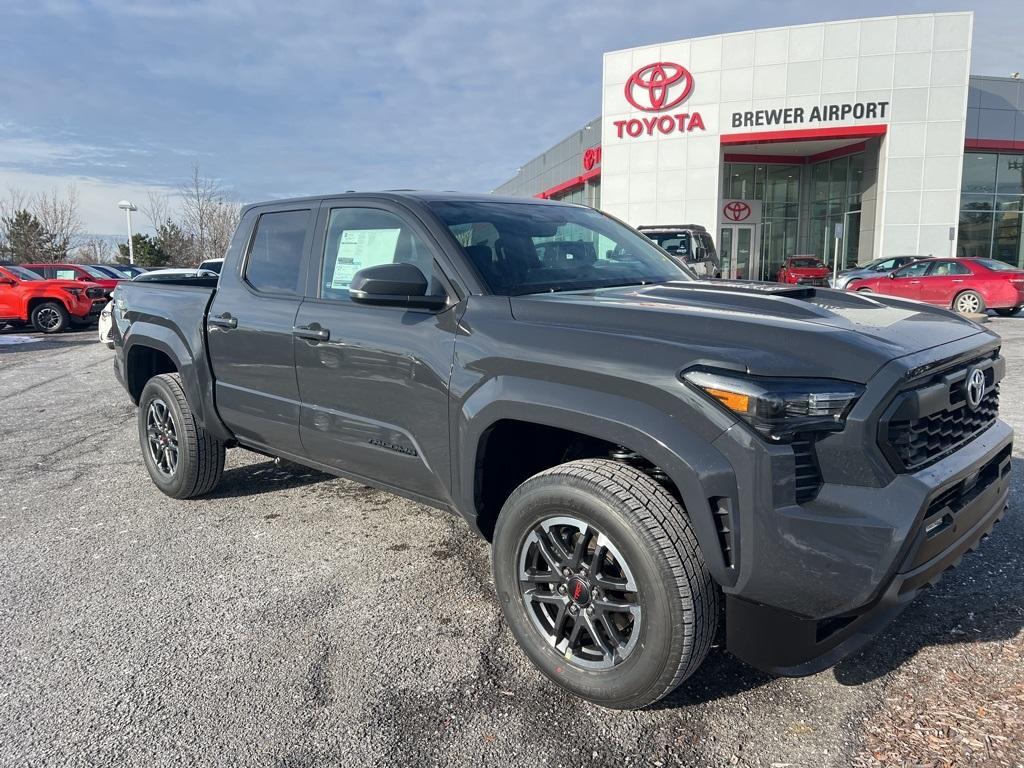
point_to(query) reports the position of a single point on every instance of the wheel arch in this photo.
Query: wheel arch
(151, 350)
(694, 470)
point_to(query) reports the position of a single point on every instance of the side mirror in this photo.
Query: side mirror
(700, 253)
(85, 278)
(891, 275)
(7, 281)
(397, 285)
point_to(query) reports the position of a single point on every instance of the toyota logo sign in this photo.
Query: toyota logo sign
(591, 157)
(659, 86)
(736, 211)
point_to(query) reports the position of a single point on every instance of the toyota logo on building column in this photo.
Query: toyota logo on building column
(659, 87)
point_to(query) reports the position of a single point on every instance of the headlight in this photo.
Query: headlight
(94, 293)
(780, 408)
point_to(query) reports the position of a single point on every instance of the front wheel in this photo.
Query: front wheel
(969, 303)
(602, 582)
(183, 459)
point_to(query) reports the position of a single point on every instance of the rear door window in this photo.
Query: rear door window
(274, 263)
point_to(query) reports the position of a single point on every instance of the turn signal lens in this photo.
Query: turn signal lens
(779, 408)
(734, 401)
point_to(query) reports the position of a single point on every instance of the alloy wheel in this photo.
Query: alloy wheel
(162, 437)
(579, 592)
(48, 318)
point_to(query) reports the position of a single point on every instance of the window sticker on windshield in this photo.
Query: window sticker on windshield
(360, 248)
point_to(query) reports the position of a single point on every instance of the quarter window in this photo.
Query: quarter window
(367, 237)
(275, 256)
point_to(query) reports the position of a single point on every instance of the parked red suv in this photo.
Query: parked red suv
(50, 305)
(803, 270)
(967, 285)
(82, 272)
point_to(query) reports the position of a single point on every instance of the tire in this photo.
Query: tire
(968, 303)
(1007, 311)
(182, 458)
(864, 290)
(649, 552)
(49, 317)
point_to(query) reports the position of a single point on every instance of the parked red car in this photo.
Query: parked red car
(83, 272)
(966, 285)
(49, 305)
(803, 270)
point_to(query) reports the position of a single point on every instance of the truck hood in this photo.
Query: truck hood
(767, 329)
(807, 271)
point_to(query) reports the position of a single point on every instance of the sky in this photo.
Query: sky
(280, 99)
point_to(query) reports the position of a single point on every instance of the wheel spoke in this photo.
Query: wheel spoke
(548, 598)
(544, 547)
(582, 541)
(599, 641)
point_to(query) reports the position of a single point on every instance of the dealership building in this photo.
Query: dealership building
(867, 137)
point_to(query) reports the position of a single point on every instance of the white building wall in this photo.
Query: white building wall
(918, 64)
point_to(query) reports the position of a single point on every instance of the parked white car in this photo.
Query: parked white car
(106, 325)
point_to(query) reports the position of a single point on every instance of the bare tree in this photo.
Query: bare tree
(157, 208)
(58, 213)
(13, 201)
(202, 212)
(224, 218)
(95, 250)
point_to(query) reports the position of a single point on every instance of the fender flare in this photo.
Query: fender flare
(697, 468)
(196, 378)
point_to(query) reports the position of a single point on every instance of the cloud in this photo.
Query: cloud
(324, 96)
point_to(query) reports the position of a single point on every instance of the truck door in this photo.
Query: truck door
(249, 328)
(373, 380)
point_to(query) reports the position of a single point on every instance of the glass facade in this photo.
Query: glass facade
(588, 193)
(836, 187)
(777, 186)
(991, 206)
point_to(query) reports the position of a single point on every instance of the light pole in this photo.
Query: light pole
(127, 206)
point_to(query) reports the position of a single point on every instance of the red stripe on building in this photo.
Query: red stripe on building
(805, 134)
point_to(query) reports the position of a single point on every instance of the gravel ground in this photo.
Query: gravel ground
(292, 619)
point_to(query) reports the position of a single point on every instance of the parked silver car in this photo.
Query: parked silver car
(871, 269)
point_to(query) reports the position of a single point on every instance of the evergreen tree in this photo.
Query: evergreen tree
(148, 252)
(24, 239)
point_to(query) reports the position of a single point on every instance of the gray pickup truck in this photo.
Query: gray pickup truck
(649, 455)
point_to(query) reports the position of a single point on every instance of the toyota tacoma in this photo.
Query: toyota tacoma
(648, 455)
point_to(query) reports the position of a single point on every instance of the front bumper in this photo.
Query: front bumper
(960, 499)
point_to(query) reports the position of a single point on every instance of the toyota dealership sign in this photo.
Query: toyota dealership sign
(660, 88)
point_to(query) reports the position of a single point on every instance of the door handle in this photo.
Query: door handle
(224, 321)
(958, 281)
(312, 332)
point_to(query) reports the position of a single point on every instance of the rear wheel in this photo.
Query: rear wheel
(603, 584)
(49, 317)
(1007, 311)
(864, 290)
(183, 459)
(969, 303)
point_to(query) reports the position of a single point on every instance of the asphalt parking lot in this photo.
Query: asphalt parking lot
(292, 619)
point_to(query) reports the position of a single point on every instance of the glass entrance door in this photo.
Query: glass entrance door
(739, 256)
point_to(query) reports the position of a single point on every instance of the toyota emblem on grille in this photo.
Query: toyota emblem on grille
(975, 388)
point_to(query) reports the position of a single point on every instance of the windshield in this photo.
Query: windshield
(23, 274)
(805, 263)
(95, 272)
(996, 266)
(521, 248)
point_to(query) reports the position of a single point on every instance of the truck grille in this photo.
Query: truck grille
(933, 420)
